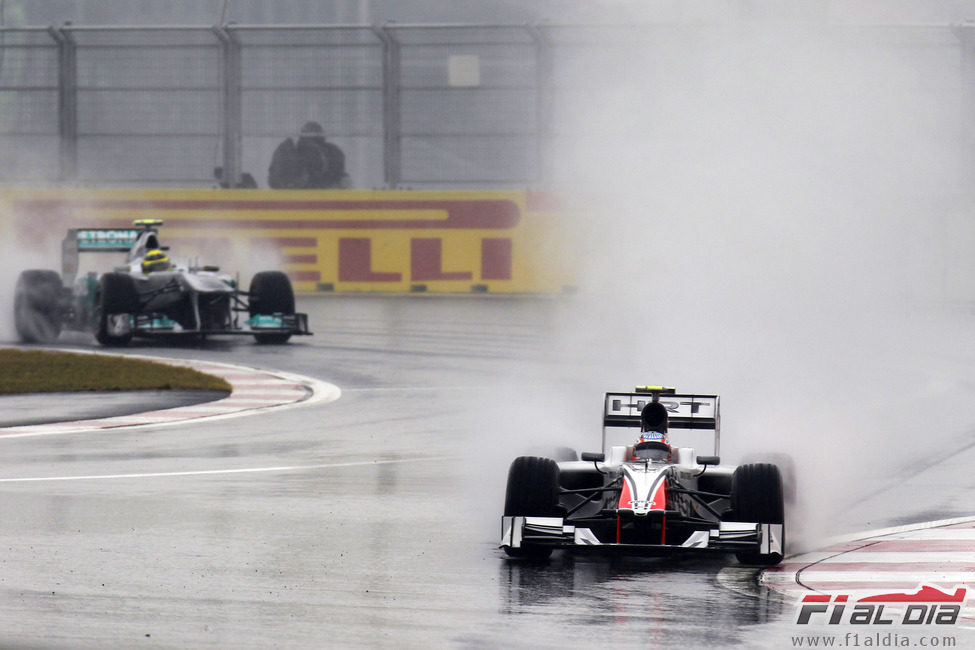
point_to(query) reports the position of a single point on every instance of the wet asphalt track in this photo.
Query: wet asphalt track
(367, 522)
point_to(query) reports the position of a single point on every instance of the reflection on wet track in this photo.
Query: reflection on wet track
(632, 602)
(371, 521)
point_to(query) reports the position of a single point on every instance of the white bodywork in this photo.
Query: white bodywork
(646, 500)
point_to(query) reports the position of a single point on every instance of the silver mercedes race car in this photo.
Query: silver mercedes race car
(649, 497)
(149, 295)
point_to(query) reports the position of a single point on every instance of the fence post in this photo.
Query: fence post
(543, 100)
(392, 136)
(67, 104)
(230, 104)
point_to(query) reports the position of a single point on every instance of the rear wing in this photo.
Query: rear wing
(100, 240)
(684, 411)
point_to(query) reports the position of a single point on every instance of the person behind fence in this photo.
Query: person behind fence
(310, 163)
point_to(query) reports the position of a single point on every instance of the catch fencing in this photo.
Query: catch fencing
(413, 106)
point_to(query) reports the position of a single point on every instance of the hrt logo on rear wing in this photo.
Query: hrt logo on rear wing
(684, 411)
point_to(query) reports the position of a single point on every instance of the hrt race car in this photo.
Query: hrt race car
(647, 498)
(148, 295)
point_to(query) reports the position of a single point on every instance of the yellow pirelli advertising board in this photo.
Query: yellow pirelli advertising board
(326, 240)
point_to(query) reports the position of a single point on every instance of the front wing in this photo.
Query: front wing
(724, 537)
(157, 324)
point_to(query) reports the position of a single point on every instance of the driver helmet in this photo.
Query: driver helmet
(155, 260)
(653, 443)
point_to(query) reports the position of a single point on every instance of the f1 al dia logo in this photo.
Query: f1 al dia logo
(925, 606)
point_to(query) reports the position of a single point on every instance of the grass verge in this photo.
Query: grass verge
(46, 371)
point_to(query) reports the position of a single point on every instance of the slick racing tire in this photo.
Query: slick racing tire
(532, 491)
(37, 308)
(116, 294)
(271, 293)
(756, 495)
(787, 467)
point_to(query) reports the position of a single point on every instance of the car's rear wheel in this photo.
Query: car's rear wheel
(271, 293)
(756, 495)
(115, 300)
(532, 491)
(37, 306)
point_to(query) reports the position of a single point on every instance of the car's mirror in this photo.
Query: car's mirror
(591, 456)
(708, 460)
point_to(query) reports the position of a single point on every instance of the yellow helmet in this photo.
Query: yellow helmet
(155, 260)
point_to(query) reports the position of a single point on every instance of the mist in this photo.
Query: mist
(777, 213)
(774, 211)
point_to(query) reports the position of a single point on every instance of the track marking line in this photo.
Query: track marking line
(932, 552)
(253, 391)
(217, 472)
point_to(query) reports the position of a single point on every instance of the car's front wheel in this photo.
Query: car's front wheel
(756, 495)
(532, 491)
(116, 299)
(271, 293)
